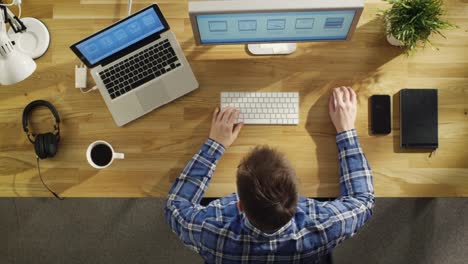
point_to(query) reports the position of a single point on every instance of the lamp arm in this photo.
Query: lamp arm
(130, 2)
(8, 17)
(2, 23)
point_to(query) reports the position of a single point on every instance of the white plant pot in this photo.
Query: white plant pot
(391, 39)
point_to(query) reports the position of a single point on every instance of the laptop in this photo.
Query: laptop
(137, 65)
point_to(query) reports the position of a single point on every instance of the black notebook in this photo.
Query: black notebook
(418, 118)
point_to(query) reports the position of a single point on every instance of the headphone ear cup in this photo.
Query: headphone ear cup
(50, 144)
(39, 146)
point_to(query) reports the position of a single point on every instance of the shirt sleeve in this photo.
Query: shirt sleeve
(183, 210)
(341, 218)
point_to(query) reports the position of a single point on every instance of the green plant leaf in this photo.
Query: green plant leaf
(413, 21)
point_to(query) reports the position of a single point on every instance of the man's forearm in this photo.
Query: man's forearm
(355, 174)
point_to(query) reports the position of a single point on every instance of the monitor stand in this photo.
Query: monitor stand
(271, 48)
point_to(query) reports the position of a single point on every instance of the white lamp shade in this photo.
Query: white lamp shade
(15, 67)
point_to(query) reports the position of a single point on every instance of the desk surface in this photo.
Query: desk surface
(158, 145)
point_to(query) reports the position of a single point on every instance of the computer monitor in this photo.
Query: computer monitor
(273, 26)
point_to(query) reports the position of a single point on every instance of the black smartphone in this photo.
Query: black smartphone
(380, 114)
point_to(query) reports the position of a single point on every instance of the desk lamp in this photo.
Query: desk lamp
(26, 39)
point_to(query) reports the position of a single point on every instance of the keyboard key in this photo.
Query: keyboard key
(143, 81)
(171, 50)
(171, 60)
(257, 121)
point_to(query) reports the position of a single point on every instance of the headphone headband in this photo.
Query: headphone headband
(28, 109)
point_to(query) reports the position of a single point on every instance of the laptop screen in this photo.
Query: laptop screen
(120, 36)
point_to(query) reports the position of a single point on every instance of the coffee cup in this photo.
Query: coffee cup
(100, 154)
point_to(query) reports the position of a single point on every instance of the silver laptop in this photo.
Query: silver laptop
(137, 65)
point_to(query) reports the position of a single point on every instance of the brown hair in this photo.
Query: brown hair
(267, 189)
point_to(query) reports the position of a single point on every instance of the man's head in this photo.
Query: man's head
(267, 189)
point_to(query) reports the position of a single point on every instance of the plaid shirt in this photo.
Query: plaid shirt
(222, 234)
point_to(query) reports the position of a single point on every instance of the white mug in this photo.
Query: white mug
(114, 154)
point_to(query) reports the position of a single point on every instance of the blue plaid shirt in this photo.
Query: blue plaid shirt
(220, 233)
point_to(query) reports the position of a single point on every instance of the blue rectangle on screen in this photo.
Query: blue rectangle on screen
(304, 23)
(218, 26)
(276, 24)
(247, 25)
(120, 36)
(334, 23)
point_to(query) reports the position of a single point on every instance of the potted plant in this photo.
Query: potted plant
(410, 23)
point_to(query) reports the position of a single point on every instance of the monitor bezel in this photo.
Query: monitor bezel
(196, 32)
(127, 50)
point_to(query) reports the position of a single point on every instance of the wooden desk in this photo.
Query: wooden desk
(158, 145)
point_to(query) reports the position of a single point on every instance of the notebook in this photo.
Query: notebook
(418, 118)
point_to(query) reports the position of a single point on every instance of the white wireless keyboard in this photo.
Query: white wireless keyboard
(266, 108)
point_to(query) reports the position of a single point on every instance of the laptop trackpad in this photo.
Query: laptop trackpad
(152, 96)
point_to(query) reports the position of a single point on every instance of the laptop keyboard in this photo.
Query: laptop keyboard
(139, 69)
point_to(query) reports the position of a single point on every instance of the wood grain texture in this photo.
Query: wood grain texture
(158, 145)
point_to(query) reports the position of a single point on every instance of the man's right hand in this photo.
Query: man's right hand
(342, 108)
(224, 129)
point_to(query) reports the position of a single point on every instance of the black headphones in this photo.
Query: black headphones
(45, 145)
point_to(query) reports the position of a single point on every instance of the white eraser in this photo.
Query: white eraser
(80, 76)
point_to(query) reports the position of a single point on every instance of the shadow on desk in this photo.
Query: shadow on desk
(186, 146)
(42, 84)
(370, 54)
(322, 133)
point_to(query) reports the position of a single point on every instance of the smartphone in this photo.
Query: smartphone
(380, 114)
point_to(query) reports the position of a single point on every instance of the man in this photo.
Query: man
(267, 221)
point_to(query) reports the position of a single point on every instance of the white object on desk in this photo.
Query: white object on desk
(14, 65)
(264, 108)
(114, 154)
(272, 48)
(34, 41)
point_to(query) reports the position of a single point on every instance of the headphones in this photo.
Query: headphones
(45, 145)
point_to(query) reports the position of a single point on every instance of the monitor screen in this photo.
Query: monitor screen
(270, 27)
(120, 36)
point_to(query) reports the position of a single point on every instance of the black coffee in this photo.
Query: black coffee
(101, 155)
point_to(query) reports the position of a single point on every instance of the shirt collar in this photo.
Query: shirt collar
(259, 232)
